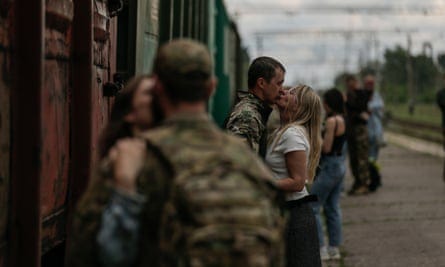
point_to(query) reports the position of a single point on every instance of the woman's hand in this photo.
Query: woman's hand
(128, 157)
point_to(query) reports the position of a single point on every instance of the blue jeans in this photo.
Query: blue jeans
(327, 186)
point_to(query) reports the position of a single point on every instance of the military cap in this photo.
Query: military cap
(185, 58)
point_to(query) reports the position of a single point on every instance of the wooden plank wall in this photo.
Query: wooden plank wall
(5, 120)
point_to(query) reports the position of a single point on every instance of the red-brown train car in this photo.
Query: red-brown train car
(55, 56)
(61, 62)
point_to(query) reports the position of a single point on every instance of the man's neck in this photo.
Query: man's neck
(257, 92)
(188, 108)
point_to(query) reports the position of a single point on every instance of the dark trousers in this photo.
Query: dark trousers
(443, 135)
(358, 154)
(302, 246)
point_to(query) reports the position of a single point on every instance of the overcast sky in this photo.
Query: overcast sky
(315, 59)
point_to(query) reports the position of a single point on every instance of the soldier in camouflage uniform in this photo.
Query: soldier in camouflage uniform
(209, 200)
(440, 100)
(248, 119)
(357, 135)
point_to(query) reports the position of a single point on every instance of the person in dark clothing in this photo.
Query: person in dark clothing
(375, 131)
(440, 99)
(357, 134)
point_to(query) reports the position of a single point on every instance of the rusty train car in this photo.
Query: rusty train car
(61, 64)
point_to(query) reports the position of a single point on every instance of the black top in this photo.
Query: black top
(440, 99)
(337, 144)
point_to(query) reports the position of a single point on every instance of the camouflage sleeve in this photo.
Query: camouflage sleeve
(247, 127)
(82, 246)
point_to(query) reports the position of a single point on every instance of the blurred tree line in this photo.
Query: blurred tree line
(394, 75)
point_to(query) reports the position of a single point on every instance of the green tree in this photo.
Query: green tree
(394, 68)
(425, 77)
(395, 78)
(394, 75)
(441, 60)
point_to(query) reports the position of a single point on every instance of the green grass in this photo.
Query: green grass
(425, 113)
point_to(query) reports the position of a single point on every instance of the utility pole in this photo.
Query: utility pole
(378, 74)
(259, 45)
(410, 78)
(348, 38)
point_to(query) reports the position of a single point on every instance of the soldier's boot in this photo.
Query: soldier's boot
(362, 190)
(375, 176)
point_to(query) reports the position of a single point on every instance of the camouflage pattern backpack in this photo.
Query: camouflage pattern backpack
(223, 208)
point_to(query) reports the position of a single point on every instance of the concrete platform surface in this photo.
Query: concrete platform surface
(403, 224)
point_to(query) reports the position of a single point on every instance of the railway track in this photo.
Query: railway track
(422, 130)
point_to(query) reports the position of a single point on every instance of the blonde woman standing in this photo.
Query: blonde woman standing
(293, 154)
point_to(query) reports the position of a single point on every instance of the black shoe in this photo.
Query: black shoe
(362, 190)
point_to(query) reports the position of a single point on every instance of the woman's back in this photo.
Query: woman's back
(339, 135)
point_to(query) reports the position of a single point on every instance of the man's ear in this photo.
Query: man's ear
(261, 82)
(211, 87)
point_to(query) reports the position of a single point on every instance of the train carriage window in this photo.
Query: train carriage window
(126, 40)
(205, 22)
(165, 20)
(184, 18)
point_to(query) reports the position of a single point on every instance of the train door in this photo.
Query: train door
(5, 128)
(147, 35)
(104, 67)
(185, 18)
(55, 123)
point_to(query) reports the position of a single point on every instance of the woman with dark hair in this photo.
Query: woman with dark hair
(329, 180)
(103, 232)
(132, 113)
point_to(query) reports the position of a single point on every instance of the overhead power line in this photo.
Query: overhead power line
(322, 32)
(344, 9)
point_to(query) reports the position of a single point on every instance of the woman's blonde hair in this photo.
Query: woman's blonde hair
(304, 109)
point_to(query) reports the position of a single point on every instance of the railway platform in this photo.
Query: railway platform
(402, 224)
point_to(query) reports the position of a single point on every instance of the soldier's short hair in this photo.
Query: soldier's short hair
(263, 67)
(185, 68)
(350, 77)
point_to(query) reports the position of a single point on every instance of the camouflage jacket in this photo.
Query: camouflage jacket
(223, 207)
(210, 202)
(248, 120)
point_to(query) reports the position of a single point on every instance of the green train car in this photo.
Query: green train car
(143, 25)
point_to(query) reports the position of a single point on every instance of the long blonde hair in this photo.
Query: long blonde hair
(304, 109)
